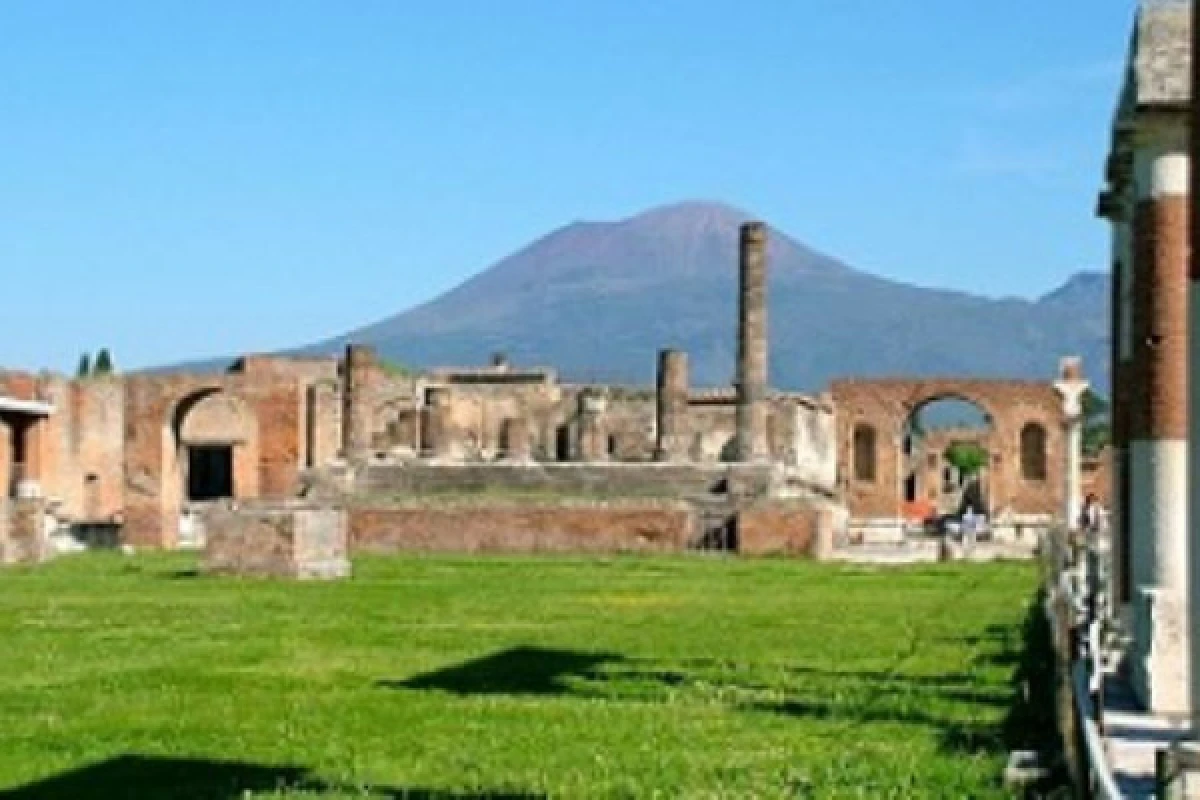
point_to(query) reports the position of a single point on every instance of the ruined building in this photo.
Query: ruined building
(507, 456)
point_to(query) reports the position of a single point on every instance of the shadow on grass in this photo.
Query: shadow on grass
(968, 711)
(521, 670)
(135, 776)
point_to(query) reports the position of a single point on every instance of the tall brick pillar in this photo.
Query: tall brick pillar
(752, 344)
(358, 375)
(593, 439)
(439, 429)
(673, 443)
(1159, 419)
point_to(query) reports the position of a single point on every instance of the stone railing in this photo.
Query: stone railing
(1077, 608)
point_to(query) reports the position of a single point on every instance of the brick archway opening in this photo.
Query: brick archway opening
(946, 455)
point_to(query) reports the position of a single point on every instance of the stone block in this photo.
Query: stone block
(23, 538)
(278, 541)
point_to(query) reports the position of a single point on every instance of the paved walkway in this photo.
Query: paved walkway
(1133, 737)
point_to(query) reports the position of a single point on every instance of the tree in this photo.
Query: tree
(85, 366)
(104, 363)
(967, 457)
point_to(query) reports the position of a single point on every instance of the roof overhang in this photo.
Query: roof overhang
(31, 407)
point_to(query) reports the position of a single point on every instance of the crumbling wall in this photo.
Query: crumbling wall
(641, 527)
(884, 406)
(153, 476)
(777, 529)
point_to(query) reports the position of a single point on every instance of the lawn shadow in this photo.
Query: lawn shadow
(138, 776)
(519, 671)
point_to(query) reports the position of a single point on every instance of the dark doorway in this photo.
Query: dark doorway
(562, 443)
(210, 473)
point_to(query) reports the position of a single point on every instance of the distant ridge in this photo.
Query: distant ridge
(597, 300)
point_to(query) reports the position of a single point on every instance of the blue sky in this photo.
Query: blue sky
(182, 179)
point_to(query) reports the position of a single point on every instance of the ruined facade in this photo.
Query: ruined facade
(152, 455)
(881, 476)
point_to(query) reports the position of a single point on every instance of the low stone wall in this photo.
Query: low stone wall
(286, 542)
(600, 480)
(633, 527)
(778, 529)
(23, 538)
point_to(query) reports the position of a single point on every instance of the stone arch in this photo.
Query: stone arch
(1034, 461)
(887, 404)
(213, 451)
(931, 482)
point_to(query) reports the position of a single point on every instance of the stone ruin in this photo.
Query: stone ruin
(418, 460)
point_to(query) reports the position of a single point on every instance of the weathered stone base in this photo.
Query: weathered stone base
(763, 528)
(1158, 657)
(285, 542)
(770, 529)
(23, 538)
(618, 527)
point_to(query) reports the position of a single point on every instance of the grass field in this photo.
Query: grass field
(513, 678)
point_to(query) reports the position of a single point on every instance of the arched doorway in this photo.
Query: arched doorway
(946, 458)
(215, 442)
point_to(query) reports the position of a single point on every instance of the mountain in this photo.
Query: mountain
(598, 299)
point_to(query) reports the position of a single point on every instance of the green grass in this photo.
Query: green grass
(465, 677)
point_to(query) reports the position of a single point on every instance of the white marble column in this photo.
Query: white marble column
(1071, 387)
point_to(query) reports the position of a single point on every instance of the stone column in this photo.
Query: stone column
(593, 443)
(439, 434)
(1115, 208)
(1158, 429)
(673, 442)
(752, 344)
(358, 373)
(1071, 387)
(1193, 455)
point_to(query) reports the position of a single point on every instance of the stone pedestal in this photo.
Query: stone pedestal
(23, 538)
(1159, 657)
(281, 542)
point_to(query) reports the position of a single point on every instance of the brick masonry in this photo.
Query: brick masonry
(156, 411)
(777, 530)
(523, 528)
(1160, 296)
(886, 405)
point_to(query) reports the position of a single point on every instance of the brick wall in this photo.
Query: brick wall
(777, 530)
(886, 405)
(155, 409)
(526, 528)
